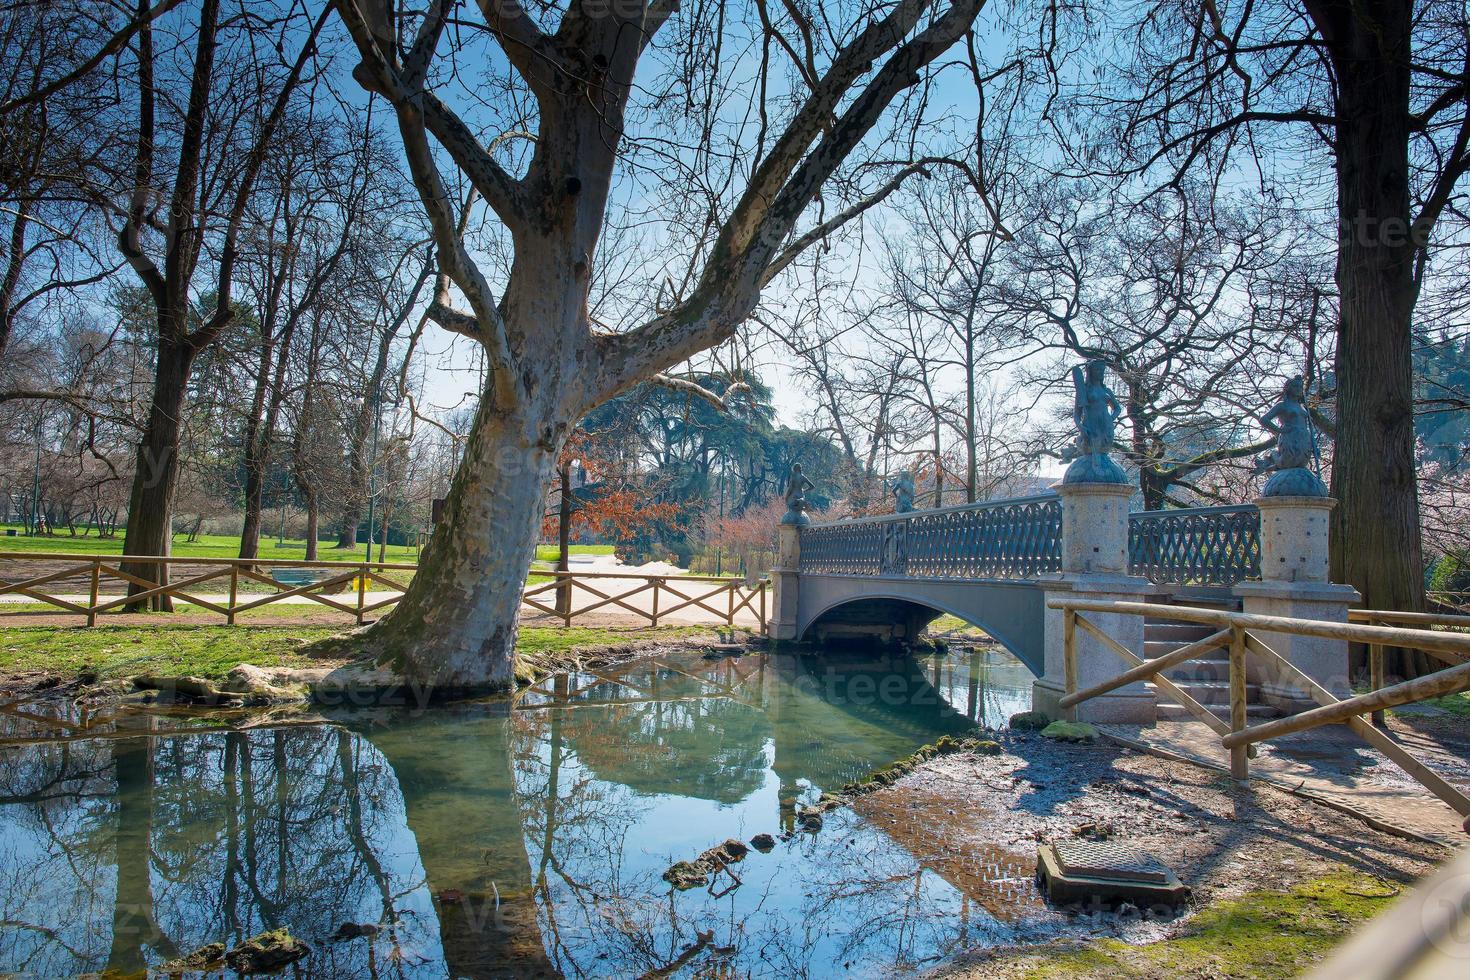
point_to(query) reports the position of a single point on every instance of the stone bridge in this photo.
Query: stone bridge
(996, 564)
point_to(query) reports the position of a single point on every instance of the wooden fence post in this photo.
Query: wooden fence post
(96, 584)
(1069, 658)
(567, 615)
(234, 594)
(655, 581)
(1240, 766)
(730, 616)
(362, 578)
(763, 605)
(1375, 677)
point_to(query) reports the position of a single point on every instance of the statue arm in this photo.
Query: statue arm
(1269, 420)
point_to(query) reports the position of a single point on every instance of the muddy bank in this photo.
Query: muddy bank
(976, 819)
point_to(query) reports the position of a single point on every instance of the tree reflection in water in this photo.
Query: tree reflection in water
(490, 840)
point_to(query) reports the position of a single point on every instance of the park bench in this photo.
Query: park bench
(295, 578)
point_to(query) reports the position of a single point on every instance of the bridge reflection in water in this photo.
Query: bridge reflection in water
(492, 839)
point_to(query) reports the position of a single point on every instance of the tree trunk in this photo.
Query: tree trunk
(455, 628)
(313, 526)
(1377, 546)
(254, 461)
(156, 473)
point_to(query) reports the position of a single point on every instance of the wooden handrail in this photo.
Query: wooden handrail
(1446, 681)
(1391, 636)
(1239, 738)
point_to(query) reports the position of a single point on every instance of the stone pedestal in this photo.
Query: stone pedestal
(1095, 566)
(784, 581)
(1295, 583)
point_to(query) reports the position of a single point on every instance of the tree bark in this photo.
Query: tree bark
(1377, 546)
(466, 595)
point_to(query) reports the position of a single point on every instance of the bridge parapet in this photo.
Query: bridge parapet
(1018, 538)
(1199, 546)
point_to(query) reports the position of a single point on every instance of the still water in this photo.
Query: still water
(500, 837)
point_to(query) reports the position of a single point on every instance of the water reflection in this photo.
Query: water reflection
(492, 839)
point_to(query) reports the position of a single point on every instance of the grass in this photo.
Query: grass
(207, 546)
(1455, 704)
(1260, 934)
(228, 546)
(117, 652)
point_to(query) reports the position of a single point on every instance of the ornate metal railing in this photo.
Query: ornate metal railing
(1017, 538)
(1196, 546)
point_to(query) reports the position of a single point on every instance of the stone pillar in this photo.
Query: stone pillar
(1095, 566)
(785, 580)
(1295, 583)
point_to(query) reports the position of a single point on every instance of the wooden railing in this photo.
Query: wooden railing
(728, 595)
(581, 592)
(1242, 633)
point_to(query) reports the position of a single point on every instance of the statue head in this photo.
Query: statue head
(1096, 371)
(795, 469)
(1295, 389)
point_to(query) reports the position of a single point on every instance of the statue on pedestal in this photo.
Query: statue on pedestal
(796, 504)
(1296, 446)
(1095, 412)
(903, 493)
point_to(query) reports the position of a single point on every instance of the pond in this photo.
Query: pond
(507, 837)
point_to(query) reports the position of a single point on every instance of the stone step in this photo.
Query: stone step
(1153, 649)
(1200, 670)
(1182, 632)
(1169, 711)
(1216, 692)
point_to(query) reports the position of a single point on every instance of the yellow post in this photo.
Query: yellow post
(1240, 766)
(1069, 658)
(96, 584)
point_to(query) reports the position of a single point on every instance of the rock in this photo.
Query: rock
(205, 958)
(987, 747)
(1093, 831)
(264, 684)
(685, 875)
(1070, 731)
(194, 688)
(731, 851)
(763, 842)
(351, 930)
(810, 820)
(1029, 721)
(265, 952)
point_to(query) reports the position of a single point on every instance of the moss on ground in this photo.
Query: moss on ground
(1260, 934)
(114, 652)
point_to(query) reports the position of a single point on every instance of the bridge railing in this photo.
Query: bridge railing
(1016, 538)
(1210, 546)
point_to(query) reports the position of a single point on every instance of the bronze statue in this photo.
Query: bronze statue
(1095, 412)
(903, 493)
(796, 504)
(1290, 465)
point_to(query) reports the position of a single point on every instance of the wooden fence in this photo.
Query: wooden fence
(1242, 634)
(44, 578)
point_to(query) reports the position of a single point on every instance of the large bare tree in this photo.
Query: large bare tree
(816, 87)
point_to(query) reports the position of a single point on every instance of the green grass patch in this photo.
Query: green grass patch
(550, 552)
(1260, 934)
(1455, 704)
(207, 546)
(114, 652)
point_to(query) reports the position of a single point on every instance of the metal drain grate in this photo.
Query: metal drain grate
(1110, 860)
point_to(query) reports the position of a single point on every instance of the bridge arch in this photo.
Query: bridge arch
(1009, 611)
